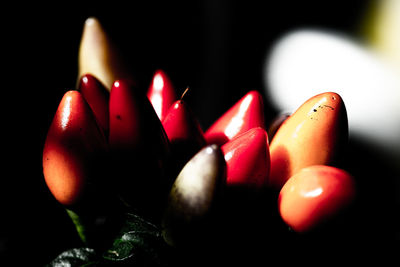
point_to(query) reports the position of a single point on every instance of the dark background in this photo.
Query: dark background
(217, 48)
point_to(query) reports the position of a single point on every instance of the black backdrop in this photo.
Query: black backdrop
(217, 48)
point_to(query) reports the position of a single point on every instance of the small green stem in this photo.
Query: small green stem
(79, 225)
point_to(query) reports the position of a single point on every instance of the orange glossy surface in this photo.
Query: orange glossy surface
(71, 143)
(314, 195)
(312, 135)
(276, 124)
(161, 93)
(247, 113)
(247, 158)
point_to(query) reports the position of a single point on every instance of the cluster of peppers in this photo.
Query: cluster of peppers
(150, 155)
(116, 150)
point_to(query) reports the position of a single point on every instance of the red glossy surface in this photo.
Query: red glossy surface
(313, 135)
(72, 143)
(314, 195)
(247, 158)
(184, 133)
(97, 96)
(138, 143)
(133, 121)
(161, 93)
(247, 113)
(180, 124)
(125, 116)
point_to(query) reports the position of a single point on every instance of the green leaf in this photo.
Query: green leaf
(79, 225)
(75, 257)
(136, 223)
(139, 242)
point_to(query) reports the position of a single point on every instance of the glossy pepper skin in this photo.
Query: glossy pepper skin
(276, 124)
(194, 197)
(161, 93)
(247, 159)
(99, 56)
(97, 96)
(73, 143)
(313, 135)
(314, 195)
(138, 144)
(184, 134)
(247, 113)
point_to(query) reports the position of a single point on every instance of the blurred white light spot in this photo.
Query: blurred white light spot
(308, 62)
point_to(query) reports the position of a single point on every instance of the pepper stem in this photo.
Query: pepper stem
(79, 225)
(184, 93)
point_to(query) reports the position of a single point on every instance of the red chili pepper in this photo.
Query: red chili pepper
(161, 93)
(138, 143)
(97, 96)
(247, 158)
(247, 113)
(72, 145)
(184, 133)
